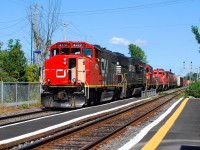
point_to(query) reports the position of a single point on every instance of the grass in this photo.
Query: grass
(162, 93)
(14, 109)
(8, 109)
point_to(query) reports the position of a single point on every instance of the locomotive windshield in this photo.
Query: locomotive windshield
(161, 73)
(87, 52)
(71, 48)
(65, 51)
(75, 50)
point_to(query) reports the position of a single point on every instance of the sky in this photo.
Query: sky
(161, 28)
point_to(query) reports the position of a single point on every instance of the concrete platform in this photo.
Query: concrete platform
(24, 129)
(179, 131)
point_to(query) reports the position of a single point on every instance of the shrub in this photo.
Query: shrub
(24, 106)
(194, 89)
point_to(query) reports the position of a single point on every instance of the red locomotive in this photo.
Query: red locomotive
(167, 79)
(151, 81)
(78, 74)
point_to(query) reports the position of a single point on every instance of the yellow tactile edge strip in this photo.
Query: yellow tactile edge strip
(160, 134)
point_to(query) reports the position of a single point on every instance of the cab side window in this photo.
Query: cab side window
(54, 52)
(137, 69)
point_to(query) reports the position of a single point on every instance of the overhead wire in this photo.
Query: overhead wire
(44, 16)
(112, 10)
(16, 30)
(21, 20)
(20, 2)
(13, 20)
(75, 31)
(121, 9)
(102, 11)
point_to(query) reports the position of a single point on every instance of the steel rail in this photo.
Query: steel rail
(63, 133)
(24, 115)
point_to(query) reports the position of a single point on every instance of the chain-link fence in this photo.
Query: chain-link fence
(17, 93)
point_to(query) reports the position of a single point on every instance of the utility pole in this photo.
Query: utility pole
(35, 31)
(191, 71)
(31, 36)
(31, 41)
(65, 32)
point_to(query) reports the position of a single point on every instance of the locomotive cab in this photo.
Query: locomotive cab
(70, 61)
(163, 76)
(149, 77)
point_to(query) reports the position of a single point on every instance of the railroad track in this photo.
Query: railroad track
(11, 119)
(93, 132)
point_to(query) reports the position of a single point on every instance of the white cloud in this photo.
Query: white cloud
(119, 41)
(125, 42)
(139, 42)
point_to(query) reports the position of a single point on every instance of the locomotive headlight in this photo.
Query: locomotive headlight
(64, 61)
(74, 80)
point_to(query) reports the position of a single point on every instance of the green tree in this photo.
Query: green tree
(136, 52)
(13, 65)
(32, 73)
(191, 76)
(1, 44)
(14, 62)
(196, 33)
(3, 74)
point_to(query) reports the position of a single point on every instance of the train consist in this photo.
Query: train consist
(79, 74)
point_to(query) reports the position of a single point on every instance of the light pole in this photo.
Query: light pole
(191, 71)
(198, 74)
(189, 68)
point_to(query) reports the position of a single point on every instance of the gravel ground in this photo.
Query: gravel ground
(132, 131)
(12, 110)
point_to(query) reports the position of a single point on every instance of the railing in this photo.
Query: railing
(17, 93)
(148, 93)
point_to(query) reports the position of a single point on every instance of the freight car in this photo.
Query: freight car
(78, 74)
(180, 81)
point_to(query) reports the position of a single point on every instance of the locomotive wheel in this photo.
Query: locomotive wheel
(93, 98)
(128, 93)
(116, 95)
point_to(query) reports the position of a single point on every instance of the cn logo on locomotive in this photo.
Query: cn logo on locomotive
(60, 73)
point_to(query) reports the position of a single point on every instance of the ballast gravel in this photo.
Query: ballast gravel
(132, 131)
